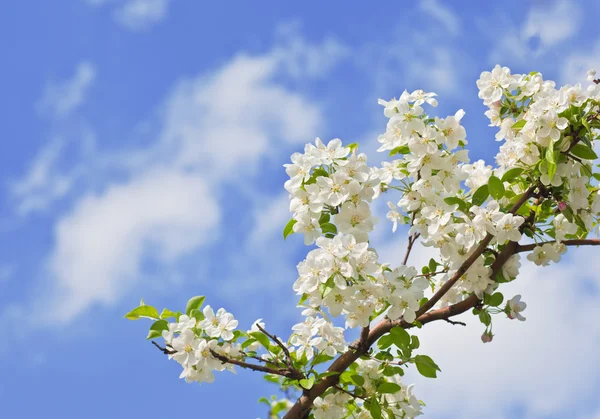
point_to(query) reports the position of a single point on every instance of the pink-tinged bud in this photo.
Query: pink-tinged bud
(487, 337)
(562, 205)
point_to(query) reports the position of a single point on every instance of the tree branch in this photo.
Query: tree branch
(304, 403)
(288, 356)
(574, 242)
(285, 372)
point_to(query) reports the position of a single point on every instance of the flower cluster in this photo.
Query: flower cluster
(193, 343)
(324, 182)
(317, 333)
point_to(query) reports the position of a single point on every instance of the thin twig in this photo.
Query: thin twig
(289, 373)
(165, 350)
(288, 356)
(454, 322)
(574, 242)
(342, 389)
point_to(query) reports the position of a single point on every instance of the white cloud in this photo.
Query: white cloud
(442, 14)
(43, 183)
(141, 14)
(553, 24)
(135, 15)
(548, 365)
(301, 59)
(545, 27)
(60, 99)
(576, 65)
(215, 128)
(100, 244)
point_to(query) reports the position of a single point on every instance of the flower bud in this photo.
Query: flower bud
(487, 337)
(562, 205)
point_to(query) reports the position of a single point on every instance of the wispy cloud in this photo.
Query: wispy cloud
(215, 128)
(62, 98)
(525, 360)
(546, 25)
(141, 14)
(101, 242)
(136, 15)
(442, 14)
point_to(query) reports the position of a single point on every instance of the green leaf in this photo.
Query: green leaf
(289, 228)
(375, 409)
(584, 152)
(400, 337)
(400, 150)
(167, 314)
(480, 195)
(194, 303)
(322, 357)
(432, 265)
(324, 218)
(318, 172)
(352, 146)
(262, 338)
(485, 318)
(328, 228)
(157, 328)
(494, 300)
(358, 380)
(511, 174)
(426, 366)
(453, 200)
(550, 154)
(496, 188)
(196, 314)
(518, 125)
(307, 383)
(414, 342)
(390, 388)
(142, 311)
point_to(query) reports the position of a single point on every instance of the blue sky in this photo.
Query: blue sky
(142, 152)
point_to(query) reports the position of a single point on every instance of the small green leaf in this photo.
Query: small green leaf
(550, 155)
(390, 388)
(352, 146)
(262, 338)
(415, 342)
(375, 409)
(495, 299)
(142, 311)
(480, 195)
(194, 303)
(167, 314)
(400, 337)
(432, 265)
(289, 228)
(324, 218)
(453, 200)
(318, 172)
(328, 228)
(496, 187)
(307, 383)
(584, 152)
(400, 150)
(426, 366)
(518, 125)
(196, 314)
(358, 380)
(157, 328)
(485, 318)
(512, 174)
